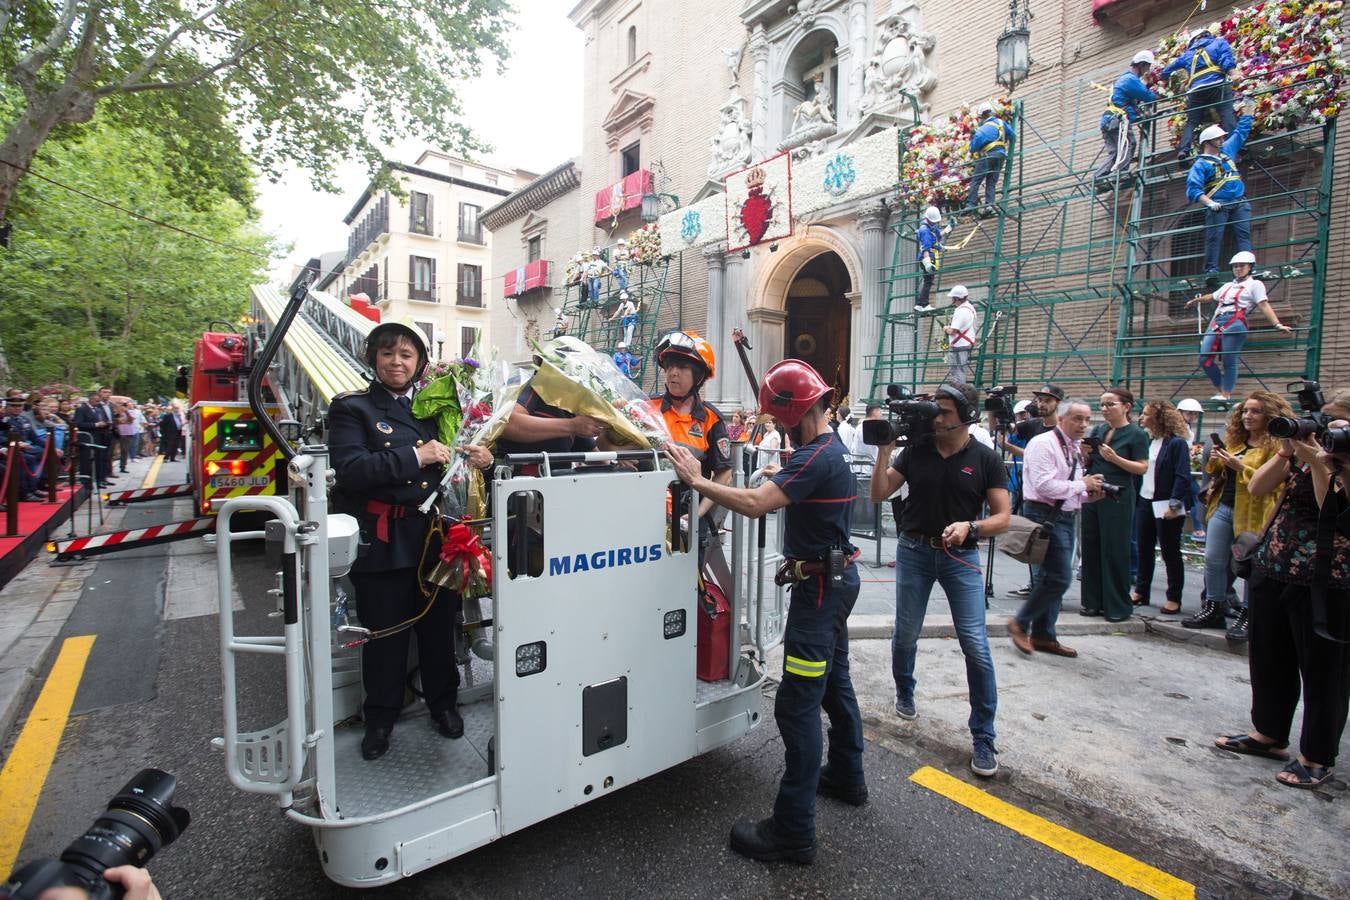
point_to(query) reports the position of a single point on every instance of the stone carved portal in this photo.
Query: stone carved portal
(819, 319)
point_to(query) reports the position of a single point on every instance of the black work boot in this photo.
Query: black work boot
(761, 840)
(1238, 630)
(829, 786)
(1210, 616)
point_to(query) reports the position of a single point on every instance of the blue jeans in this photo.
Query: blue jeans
(1040, 612)
(987, 169)
(1236, 215)
(1197, 508)
(815, 677)
(621, 276)
(917, 566)
(1222, 367)
(1219, 559)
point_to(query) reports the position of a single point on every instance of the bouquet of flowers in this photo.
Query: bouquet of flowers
(1288, 60)
(936, 165)
(1197, 457)
(644, 245)
(573, 376)
(464, 564)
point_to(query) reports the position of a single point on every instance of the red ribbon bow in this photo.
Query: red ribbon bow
(461, 550)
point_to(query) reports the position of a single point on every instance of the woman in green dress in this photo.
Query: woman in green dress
(1120, 457)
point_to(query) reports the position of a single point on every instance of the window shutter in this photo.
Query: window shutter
(430, 226)
(431, 279)
(412, 277)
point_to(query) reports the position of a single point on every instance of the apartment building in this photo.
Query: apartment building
(422, 252)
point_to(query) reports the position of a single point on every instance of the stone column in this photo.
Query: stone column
(715, 258)
(872, 218)
(735, 392)
(767, 333)
(857, 58)
(859, 375)
(759, 111)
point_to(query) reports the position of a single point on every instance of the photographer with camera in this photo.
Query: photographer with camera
(1118, 451)
(951, 477)
(1300, 602)
(1054, 493)
(1164, 496)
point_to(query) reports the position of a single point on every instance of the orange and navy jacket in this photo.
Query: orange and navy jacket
(703, 431)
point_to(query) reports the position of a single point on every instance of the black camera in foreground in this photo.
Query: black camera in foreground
(1311, 424)
(1337, 440)
(140, 821)
(909, 418)
(1112, 491)
(1000, 401)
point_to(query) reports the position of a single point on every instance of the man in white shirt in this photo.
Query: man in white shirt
(960, 334)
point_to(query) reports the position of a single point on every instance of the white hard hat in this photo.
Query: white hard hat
(985, 107)
(1190, 405)
(1143, 56)
(932, 214)
(958, 292)
(1021, 406)
(1212, 133)
(623, 345)
(1243, 256)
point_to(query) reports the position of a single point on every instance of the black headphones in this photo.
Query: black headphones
(969, 414)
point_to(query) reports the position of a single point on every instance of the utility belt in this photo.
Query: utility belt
(1114, 110)
(831, 567)
(383, 512)
(936, 542)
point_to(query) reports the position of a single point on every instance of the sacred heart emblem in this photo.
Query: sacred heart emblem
(757, 209)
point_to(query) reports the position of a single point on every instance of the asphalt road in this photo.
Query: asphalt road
(150, 696)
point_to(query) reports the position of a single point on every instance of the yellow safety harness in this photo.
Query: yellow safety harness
(1209, 67)
(1000, 143)
(1225, 172)
(1114, 110)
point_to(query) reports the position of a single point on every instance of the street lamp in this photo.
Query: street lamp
(652, 206)
(1014, 46)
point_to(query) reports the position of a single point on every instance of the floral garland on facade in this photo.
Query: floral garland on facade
(936, 166)
(644, 245)
(1288, 60)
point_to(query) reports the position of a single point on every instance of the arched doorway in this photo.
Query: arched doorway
(818, 319)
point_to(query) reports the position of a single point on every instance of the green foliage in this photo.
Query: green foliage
(97, 295)
(307, 82)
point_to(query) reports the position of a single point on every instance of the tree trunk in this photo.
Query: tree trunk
(42, 113)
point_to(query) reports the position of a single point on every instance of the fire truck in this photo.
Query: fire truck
(587, 669)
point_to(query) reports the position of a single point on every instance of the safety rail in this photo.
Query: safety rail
(269, 761)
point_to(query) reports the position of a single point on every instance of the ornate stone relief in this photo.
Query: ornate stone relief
(729, 148)
(812, 119)
(900, 61)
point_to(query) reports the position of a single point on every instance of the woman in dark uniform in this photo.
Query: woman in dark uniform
(386, 463)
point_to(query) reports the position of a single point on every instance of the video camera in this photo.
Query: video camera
(140, 820)
(1312, 422)
(1000, 401)
(910, 418)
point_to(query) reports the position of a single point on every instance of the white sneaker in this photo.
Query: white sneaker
(1220, 397)
(923, 309)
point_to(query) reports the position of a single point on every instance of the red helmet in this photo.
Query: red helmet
(790, 388)
(686, 344)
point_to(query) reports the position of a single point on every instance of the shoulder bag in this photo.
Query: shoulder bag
(1026, 540)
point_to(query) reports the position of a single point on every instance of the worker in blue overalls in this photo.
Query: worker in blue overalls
(989, 148)
(1119, 121)
(1215, 182)
(1206, 62)
(929, 236)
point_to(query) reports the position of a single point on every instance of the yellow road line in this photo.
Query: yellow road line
(26, 769)
(150, 476)
(1111, 863)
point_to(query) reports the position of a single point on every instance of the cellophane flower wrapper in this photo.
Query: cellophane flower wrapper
(464, 564)
(572, 375)
(1288, 61)
(936, 167)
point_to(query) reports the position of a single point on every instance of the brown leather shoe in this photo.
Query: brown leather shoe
(1055, 647)
(1019, 637)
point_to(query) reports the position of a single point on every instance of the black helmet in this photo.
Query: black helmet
(388, 330)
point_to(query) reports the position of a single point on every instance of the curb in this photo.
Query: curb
(883, 627)
(1204, 637)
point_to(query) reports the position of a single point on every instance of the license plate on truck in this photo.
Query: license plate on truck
(237, 481)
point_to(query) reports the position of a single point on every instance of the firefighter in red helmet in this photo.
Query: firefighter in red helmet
(688, 363)
(817, 487)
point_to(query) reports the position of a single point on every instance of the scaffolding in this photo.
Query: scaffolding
(595, 321)
(1084, 283)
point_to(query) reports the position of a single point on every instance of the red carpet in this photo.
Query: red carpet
(37, 521)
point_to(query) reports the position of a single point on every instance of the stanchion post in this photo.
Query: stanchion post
(13, 460)
(51, 462)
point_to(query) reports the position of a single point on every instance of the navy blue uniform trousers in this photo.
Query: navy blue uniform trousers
(815, 677)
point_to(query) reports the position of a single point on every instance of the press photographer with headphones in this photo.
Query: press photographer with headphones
(386, 461)
(951, 478)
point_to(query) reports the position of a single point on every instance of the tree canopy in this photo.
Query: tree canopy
(309, 82)
(97, 295)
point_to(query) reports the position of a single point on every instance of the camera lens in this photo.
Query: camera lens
(1337, 440)
(1291, 428)
(140, 821)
